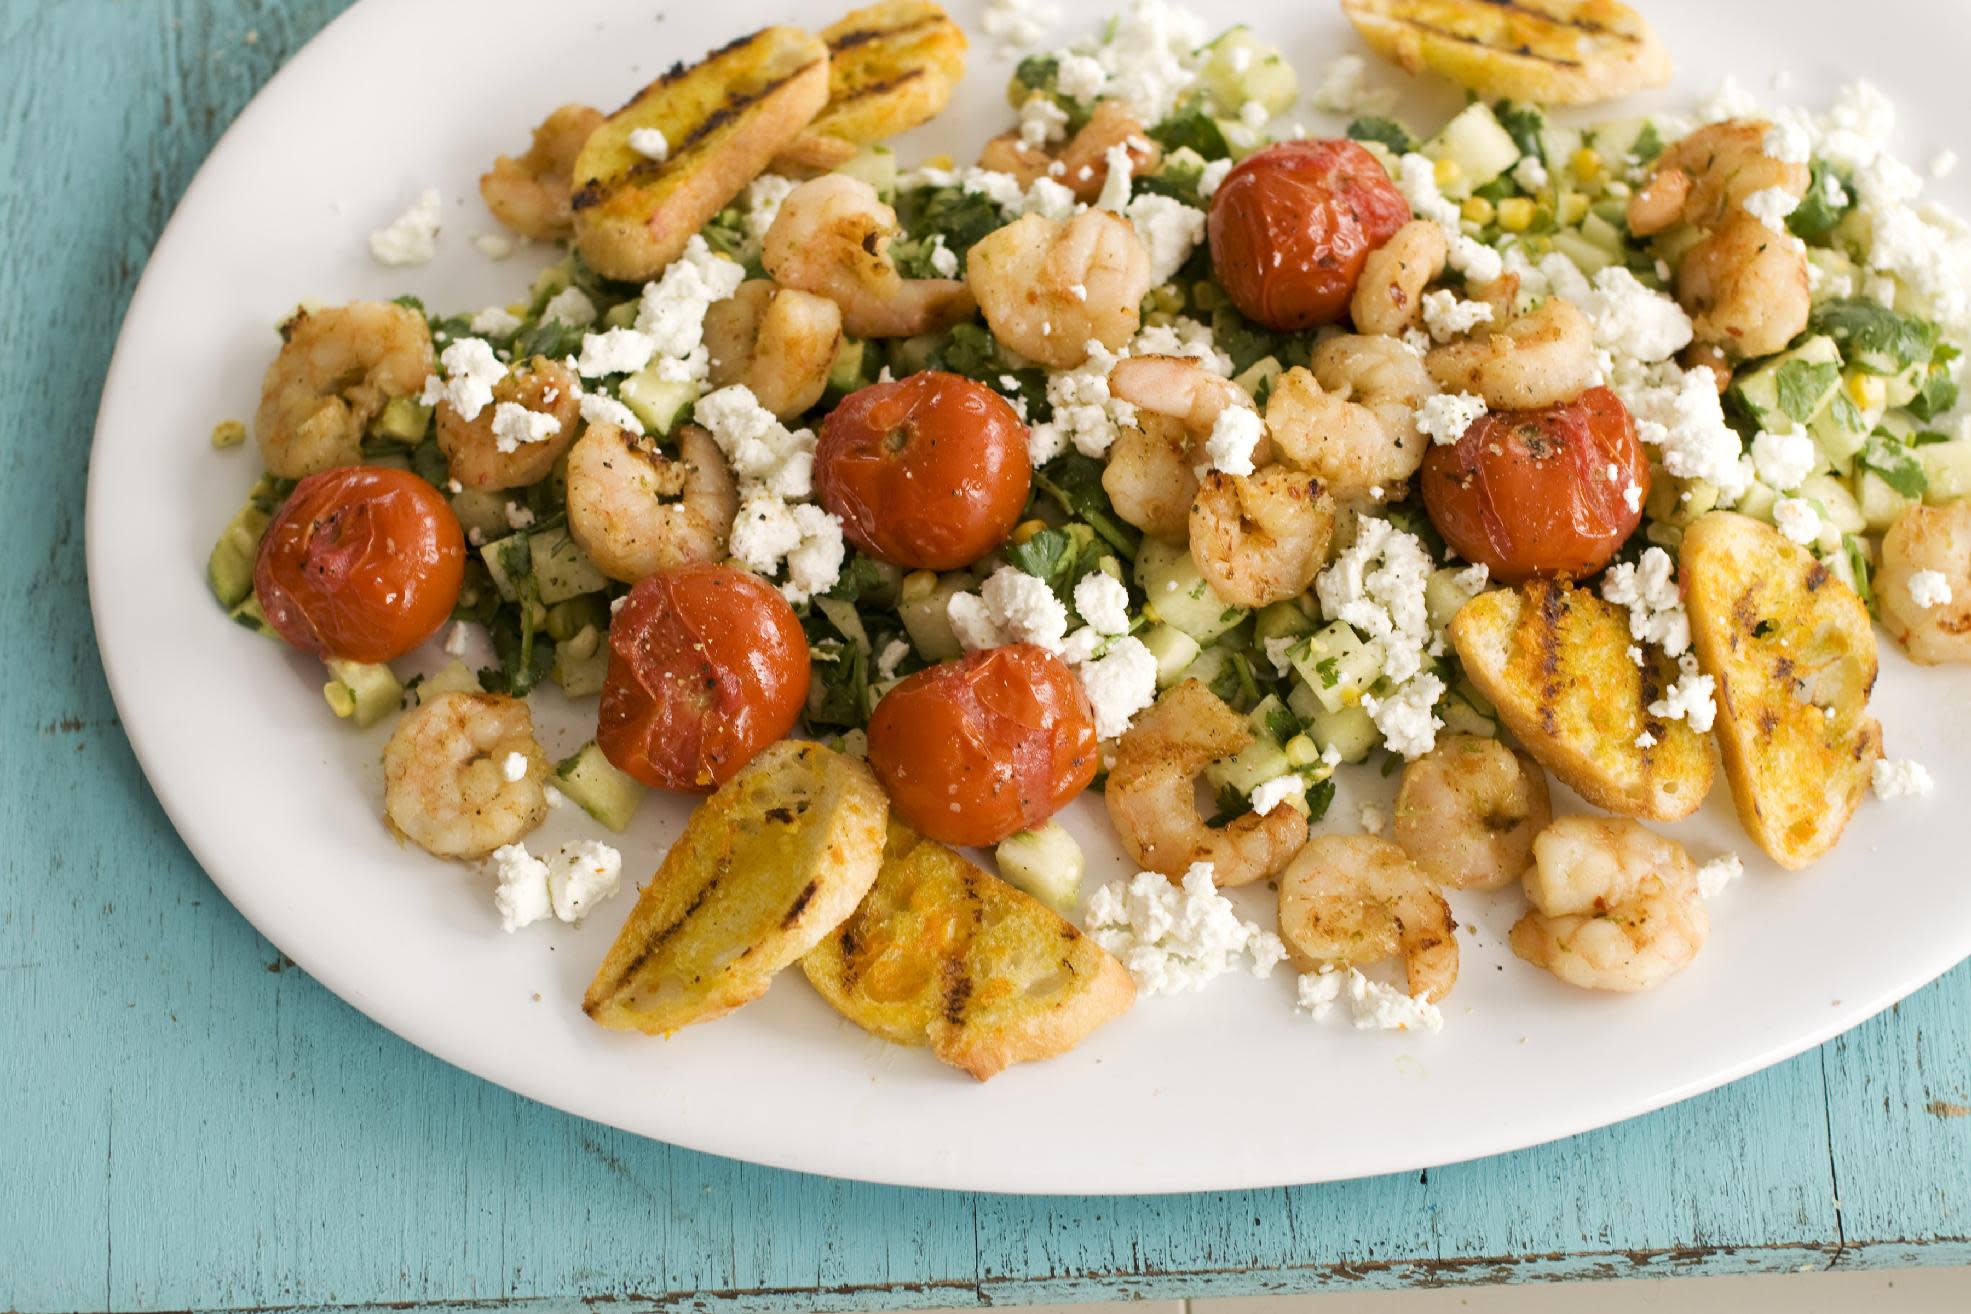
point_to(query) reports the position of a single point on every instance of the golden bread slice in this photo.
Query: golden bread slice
(1552, 52)
(1793, 654)
(767, 866)
(1556, 661)
(722, 120)
(942, 953)
(891, 66)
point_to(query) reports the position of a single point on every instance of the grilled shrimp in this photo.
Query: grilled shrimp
(1049, 286)
(1178, 388)
(778, 341)
(1928, 538)
(1703, 177)
(1394, 276)
(1468, 811)
(531, 195)
(619, 510)
(1615, 906)
(1152, 477)
(1152, 793)
(479, 455)
(1082, 164)
(832, 238)
(1745, 287)
(462, 774)
(1348, 422)
(1542, 358)
(335, 371)
(1261, 537)
(1351, 900)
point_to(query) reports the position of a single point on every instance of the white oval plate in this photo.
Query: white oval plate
(280, 802)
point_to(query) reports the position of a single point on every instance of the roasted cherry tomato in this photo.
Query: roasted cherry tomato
(976, 749)
(361, 563)
(1291, 226)
(1548, 492)
(707, 666)
(930, 471)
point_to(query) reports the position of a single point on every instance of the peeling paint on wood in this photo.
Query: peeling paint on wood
(186, 1121)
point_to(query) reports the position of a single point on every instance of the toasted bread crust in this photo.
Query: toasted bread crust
(766, 867)
(1555, 52)
(1794, 657)
(943, 954)
(1555, 660)
(724, 119)
(891, 67)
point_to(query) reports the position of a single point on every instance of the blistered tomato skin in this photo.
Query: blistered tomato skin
(707, 666)
(928, 472)
(361, 563)
(1540, 493)
(1291, 226)
(976, 749)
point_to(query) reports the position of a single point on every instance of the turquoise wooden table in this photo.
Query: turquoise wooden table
(187, 1121)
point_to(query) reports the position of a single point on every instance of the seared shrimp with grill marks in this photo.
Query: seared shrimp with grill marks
(1928, 538)
(1349, 420)
(335, 371)
(479, 456)
(463, 775)
(832, 238)
(1390, 291)
(1047, 287)
(778, 341)
(1542, 358)
(1082, 164)
(1746, 288)
(1701, 178)
(1261, 537)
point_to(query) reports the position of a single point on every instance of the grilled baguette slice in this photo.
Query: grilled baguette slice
(891, 67)
(723, 118)
(1793, 653)
(943, 954)
(1555, 660)
(768, 865)
(1555, 52)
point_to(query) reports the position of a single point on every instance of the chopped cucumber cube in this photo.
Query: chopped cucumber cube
(580, 663)
(1339, 665)
(657, 402)
(361, 692)
(1350, 731)
(1178, 594)
(482, 509)
(1837, 504)
(846, 375)
(402, 419)
(925, 610)
(875, 165)
(1045, 862)
(1174, 651)
(1477, 143)
(605, 793)
(1948, 468)
(1792, 388)
(1265, 757)
(1240, 67)
(561, 570)
(453, 677)
(1881, 505)
(229, 569)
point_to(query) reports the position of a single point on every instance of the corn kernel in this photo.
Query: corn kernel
(1573, 208)
(1867, 391)
(1478, 210)
(943, 162)
(1516, 213)
(341, 699)
(1302, 752)
(1026, 529)
(918, 585)
(228, 433)
(1586, 163)
(1446, 172)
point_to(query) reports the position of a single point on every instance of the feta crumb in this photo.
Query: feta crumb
(1683, 418)
(1788, 142)
(1770, 206)
(944, 260)
(1632, 496)
(1019, 25)
(1784, 460)
(1042, 122)
(1690, 699)
(1279, 651)
(1025, 609)
(598, 408)
(1530, 173)
(1270, 794)
(1169, 230)
(1372, 819)
(1342, 89)
(570, 306)
(1631, 321)
(581, 875)
(518, 516)
(1119, 684)
(522, 897)
(1102, 602)
(890, 658)
(1235, 435)
(1177, 938)
(1372, 1005)
(514, 426)
(1648, 589)
(1448, 317)
(614, 351)
(412, 237)
(495, 322)
(1213, 177)
(1929, 588)
(456, 640)
(767, 458)
(1901, 778)
(1445, 416)
(471, 369)
(513, 768)
(1797, 518)
(768, 532)
(1117, 166)
(1254, 115)
(494, 246)
(1714, 876)
(650, 143)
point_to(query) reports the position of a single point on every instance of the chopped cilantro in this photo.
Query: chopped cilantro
(1193, 128)
(1524, 124)
(1281, 724)
(1826, 202)
(1647, 145)
(1894, 464)
(1389, 132)
(1939, 391)
(1319, 796)
(1874, 338)
(1802, 385)
(1074, 483)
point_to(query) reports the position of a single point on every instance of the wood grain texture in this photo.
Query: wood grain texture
(186, 1121)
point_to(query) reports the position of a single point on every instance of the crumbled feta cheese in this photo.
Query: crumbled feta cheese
(1478, 262)
(494, 246)
(1770, 206)
(1372, 1006)
(1648, 588)
(972, 622)
(1408, 724)
(1279, 651)
(515, 425)
(513, 767)
(614, 351)
(1471, 581)
(1048, 199)
(1530, 173)
(1416, 177)
(1797, 518)
(1019, 25)
(1176, 938)
(1443, 417)
(944, 260)
(581, 875)
(522, 897)
(763, 196)
(650, 143)
(457, 639)
(1447, 317)
(1119, 684)
(1270, 794)
(1254, 115)
(570, 306)
(1929, 588)
(471, 370)
(1784, 460)
(1900, 778)
(1213, 177)
(1343, 89)
(1632, 496)
(1085, 413)
(1372, 819)
(597, 408)
(495, 322)
(1316, 993)
(671, 312)
(1169, 229)
(1182, 336)
(767, 458)
(1789, 142)
(412, 237)
(1081, 77)
(1147, 62)
(1042, 122)
(1118, 166)
(1682, 417)
(1377, 585)
(1102, 602)
(1234, 436)
(1732, 100)
(1690, 699)
(1025, 609)
(518, 515)
(890, 658)
(767, 531)
(1714, 876)
(1631, 320)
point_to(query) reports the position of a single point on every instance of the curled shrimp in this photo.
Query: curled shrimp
(1048, 287)
(1468, 810)
(475, 453)
(1701, 178)
(637, 511)
(1394, 276)
(449, 784)
(335, 371)
(1261, 537)
(1542, 358)
(1351, 900)
(1348, 421)
(1745, 287)
(1615, 907)
(1082, 164)
(778, 341)
(1152, 793)
(1936, 538)
(832, 238)
(1152, 476)
(531, 195)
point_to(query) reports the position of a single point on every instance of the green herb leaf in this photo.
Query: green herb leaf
(1074, 483)
(1524, 124)
(1802, 385)
(1389, 132)
(1320, 795)
(1895, 465)
(1874, 338)
(1647, 145)
(1826, 203)
(1193, 128)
